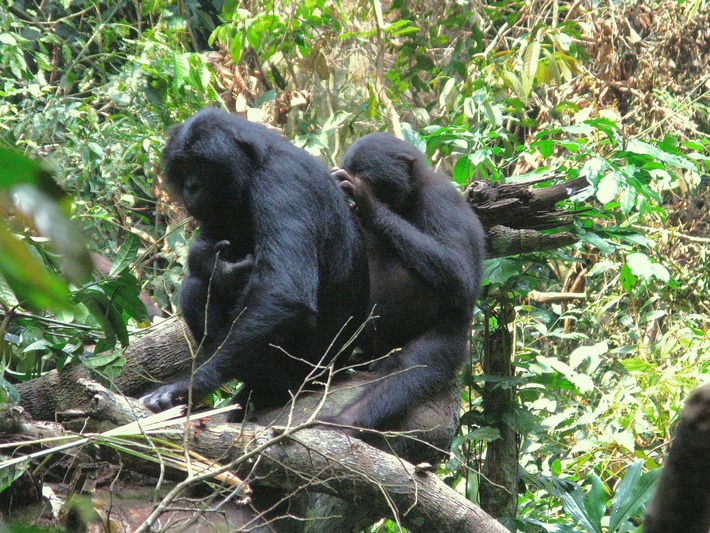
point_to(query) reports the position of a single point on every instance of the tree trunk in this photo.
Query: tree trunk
(499, 480)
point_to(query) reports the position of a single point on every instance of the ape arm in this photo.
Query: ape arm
(211, 282)
(281, 295)
(441, 259)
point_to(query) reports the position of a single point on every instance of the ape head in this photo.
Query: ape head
(389, 165)
(208, 162)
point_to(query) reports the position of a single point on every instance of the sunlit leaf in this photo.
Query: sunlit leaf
(530, 63)
(640, 265)
(29, 280)
(589, 353)
(627, 278)
(608, 188)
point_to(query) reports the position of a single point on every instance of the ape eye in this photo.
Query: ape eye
(192, 185)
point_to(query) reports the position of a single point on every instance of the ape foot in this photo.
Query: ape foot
(165, 397)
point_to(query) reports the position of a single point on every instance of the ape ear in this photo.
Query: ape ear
(408, 158)
(409, 162)
(250, 143)
(256, 151)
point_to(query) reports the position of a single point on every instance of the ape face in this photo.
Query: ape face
(208, 166)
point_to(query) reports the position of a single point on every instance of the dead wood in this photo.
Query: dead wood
(296, 460)
(516, 214)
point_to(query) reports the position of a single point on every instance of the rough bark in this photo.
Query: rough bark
(499, 480)
(516, 214)
(299, 459)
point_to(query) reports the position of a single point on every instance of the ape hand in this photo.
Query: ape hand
(361, 193)
(165, 397)
(222, 248)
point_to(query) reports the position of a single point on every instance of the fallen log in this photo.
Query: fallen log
(292, 458)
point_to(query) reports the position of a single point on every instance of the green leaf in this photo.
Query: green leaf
(51, 222)
(640, 265)
(573, 502)
(628, 199)
(8, 394)
(627, 278)
(631, 495)
(107, 314)
(512, 81)
(486, 434)
(640, 147)
(556, 468)
(498, 271)
(8, 474)
(609, 128)
(595, 502)
(100, 361)
(28, 279)
(582, 382)
(127, 253)
(446, 91)
(608, 187)
(592, 354)
(463, 171)
(660, 272)
(16, 169)
(546, 147)
(124, 292)
(235, 48)
(530, 64)
(181, 72)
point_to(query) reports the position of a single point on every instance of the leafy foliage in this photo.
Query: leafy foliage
(508, 91)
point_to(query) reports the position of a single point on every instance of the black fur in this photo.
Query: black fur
(425, 250)
(278, 254)
(682, 499)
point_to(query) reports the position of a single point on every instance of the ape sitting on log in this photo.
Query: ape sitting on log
(425, 249)
(278, 275)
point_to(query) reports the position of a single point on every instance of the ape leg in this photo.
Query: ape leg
(407, 377)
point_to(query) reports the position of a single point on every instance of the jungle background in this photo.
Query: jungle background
(598, 344)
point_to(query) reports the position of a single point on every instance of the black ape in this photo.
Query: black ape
(682, 499)
(279, 259)
(425, 250)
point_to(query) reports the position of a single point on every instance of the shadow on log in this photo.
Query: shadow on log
(425, 434)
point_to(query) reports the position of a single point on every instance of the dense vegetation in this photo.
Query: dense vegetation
(510, 91)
